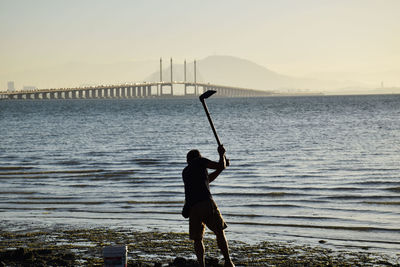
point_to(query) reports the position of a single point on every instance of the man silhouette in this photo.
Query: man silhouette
(199, 204)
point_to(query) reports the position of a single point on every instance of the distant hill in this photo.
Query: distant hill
(228, 70)
(243, 73)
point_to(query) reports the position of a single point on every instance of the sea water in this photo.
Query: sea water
(302, 169)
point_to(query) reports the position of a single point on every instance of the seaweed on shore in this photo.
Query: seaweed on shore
(83, 247)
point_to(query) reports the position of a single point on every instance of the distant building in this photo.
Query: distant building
(28, 88)
(10, 86)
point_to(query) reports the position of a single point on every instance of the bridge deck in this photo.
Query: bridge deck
(136, 90)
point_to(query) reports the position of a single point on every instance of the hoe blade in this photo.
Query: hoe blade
(207, 94)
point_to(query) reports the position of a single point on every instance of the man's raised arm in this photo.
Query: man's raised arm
(217, 166)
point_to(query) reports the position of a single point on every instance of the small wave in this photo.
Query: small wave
(331, 227)
(111, 174)
(82, 185)
(52, 172)
(29, 177)
(17, 192)
(14, 168)
(154, 202)
(45, 202)
(125, 211)
(341, 189)
(256, 205)
(375, 183)
(285, 188)
(146, 162)
(96, 153)
(395, 203)
(394, 189)
(69, 162)
(356, 197)
(49, 198)
(278, 194)
(267, 194)
(285, 217)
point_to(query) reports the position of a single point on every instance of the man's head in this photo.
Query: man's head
(192, 154)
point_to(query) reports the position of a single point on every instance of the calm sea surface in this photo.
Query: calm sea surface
(303, 169)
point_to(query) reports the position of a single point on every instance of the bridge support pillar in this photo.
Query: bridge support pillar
(149, 90)
(187, 87)
(162, 90)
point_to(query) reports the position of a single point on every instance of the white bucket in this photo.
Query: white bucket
(115, 256)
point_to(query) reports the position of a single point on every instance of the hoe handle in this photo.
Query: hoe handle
(212, 126)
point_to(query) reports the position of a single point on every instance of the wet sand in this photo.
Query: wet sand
(83, 247)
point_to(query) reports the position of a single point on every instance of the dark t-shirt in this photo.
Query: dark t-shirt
(195, 178)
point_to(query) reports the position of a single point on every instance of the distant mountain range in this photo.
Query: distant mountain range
(225, 70)
(228, 70)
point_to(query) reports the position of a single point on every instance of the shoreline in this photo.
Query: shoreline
(83, 247)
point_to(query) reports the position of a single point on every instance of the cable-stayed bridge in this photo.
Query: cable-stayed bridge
(138, 90)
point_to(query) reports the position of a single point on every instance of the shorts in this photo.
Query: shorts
(205, 213)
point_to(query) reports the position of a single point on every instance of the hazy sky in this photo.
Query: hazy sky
(288, 36)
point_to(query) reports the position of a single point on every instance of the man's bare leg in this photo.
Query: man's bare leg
(199, 250)
(223, 246)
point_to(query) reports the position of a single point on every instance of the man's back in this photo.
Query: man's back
(195, 178)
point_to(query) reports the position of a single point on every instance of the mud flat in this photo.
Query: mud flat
(83, 247)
